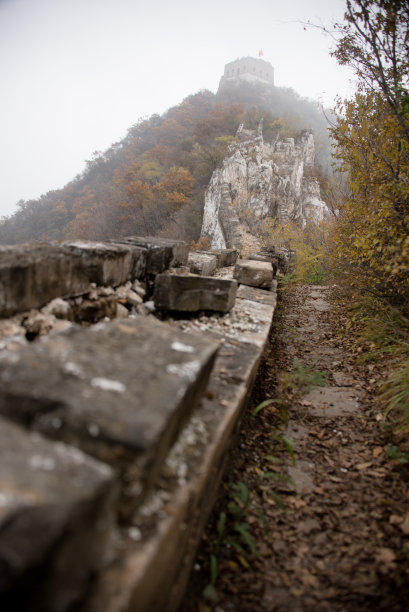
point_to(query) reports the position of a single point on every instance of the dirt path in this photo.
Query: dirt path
(327, 510)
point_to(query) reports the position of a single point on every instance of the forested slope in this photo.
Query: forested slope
(152, 182)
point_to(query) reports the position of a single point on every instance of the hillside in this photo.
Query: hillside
(153, 181)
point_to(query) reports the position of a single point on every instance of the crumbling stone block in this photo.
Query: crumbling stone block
(268, 257)
(202, 264)
(31, 276)
(120, 391)
(56, 515)
(194, 293)
(161, 252)
(253, 273)
(225, 257)
(109, 263)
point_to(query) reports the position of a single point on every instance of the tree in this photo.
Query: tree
(372, 137)
(374, 41)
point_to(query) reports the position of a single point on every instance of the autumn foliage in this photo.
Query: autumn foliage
(153, 181)
(372, 149)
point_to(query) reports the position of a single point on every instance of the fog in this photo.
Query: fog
(76, 74)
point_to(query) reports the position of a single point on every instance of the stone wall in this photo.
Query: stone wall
(117, 414)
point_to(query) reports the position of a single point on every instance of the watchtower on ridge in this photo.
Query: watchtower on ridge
(249, 69)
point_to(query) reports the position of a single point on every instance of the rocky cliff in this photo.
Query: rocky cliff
(261, 179)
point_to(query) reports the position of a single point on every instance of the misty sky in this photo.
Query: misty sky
(76, 74)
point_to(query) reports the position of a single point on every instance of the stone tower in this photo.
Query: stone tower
(249, 69)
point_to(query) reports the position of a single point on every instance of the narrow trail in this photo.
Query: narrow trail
(327, 509)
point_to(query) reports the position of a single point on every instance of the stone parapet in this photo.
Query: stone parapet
(30, 276)
(197, 461)
(161, 252)
(115, 434)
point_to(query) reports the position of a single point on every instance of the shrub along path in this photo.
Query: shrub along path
(314, 514)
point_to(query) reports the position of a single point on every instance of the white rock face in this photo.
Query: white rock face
(262, 180)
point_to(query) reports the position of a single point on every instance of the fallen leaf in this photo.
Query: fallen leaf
(297, 502)
(306, 403)
(285, 579)
(385, 555)
(394, 519)
(378, 450)
(377, 473)
(308, 579)
(363, 466)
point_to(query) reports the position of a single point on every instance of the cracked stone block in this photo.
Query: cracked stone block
(31, 276)
(108, 263)
(121, 391)
(202, 264)
(225, 257)
(56, 515)
(253, 273)
(194, 293)
(161, 252)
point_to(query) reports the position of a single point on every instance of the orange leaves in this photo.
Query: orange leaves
(176, 186)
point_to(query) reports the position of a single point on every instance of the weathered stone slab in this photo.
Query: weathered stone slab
(200, 263)
(109, 263)
(161, 252)
(194, 293)
(253, 273)
(31, 276)
(120, 391)
(225, 257)
(56, 515)
(258, 295)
